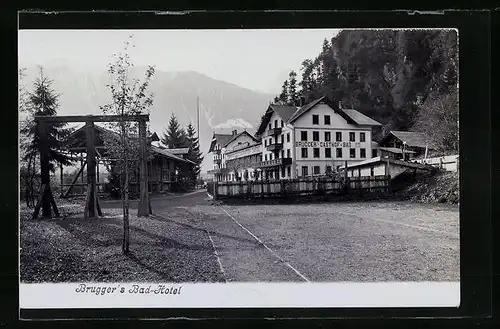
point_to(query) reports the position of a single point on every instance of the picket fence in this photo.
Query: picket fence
(300, 187)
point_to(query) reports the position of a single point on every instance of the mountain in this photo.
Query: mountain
(223, 106)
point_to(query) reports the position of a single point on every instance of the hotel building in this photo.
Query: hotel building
(314, 139)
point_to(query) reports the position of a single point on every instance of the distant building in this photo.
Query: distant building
(219, 170)
(405, 145)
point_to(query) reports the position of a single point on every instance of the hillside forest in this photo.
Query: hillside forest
(405, 79)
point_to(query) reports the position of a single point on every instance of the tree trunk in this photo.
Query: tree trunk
(125, 197)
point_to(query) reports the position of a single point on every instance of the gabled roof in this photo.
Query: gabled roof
(244, 132)
(360, 118)
(182, 150)
(166, 153)
(220, 139)
(412, 139)
(284, 111)
(306, 108)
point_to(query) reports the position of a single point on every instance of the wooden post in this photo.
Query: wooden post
(61, 179)
(45, 199)
(91, 203)
(143, 208)
(160, 159)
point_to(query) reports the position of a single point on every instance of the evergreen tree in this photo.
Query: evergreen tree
(283, 97)
(174, 136)
(194, 153)
(43, 101)
(293, 95)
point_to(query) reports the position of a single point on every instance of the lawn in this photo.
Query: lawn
(72, 249)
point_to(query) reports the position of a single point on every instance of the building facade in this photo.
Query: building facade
(315, 139)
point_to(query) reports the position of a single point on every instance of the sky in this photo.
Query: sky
(255, 59)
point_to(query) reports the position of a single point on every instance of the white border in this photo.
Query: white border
(243, 295)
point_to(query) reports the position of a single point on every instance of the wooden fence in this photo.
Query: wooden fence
(300, 187)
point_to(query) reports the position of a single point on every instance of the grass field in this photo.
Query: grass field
(191, 239)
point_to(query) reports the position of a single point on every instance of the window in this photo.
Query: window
(328, 136)
(275, 123)
(316, 170)
(304, 152)
(362, 153)
(339, 152)
(265, 142)
(288, 137)
(288, 153)
(281, 123)
(316, 136)
(328, 169)
(270, 141)
(288, 171)
(338, 136)
(328, 152)
(304, 171)
(316, 152)
(269, 126)
(374, 153)
(315, 119)
(352, 137)
(282, 139)
(372, 171)
(327, 120)
(282, 154)
(283, 172)
(265, 157)
(270, 156)
(303, 136)
(352, 153)
(362, 137)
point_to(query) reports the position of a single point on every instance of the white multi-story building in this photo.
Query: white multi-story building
(314, 139)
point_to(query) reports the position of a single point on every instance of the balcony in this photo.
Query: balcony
(218, 171)
(274, 147)
(274, 132)
(275, 163)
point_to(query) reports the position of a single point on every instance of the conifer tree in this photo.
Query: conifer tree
(43, 101)
(293, 95)
(283, 97)
(194, 153)
(174, 136)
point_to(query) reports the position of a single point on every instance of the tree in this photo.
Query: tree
(43, 101)
(129, 96)
(174, 136)
(438, 119)
(194, 153)
(293, 95)
(283, 97)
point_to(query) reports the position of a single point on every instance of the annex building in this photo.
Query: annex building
(290, 142)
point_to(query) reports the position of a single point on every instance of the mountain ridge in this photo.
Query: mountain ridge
(223, 106)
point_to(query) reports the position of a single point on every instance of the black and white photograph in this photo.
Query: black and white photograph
(239, 168)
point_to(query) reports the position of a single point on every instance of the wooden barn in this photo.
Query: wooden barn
(166, 167)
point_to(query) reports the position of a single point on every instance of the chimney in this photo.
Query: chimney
(340, 104)
(302, 101)
(235, 132)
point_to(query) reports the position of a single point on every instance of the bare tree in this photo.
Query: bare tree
(128, 97)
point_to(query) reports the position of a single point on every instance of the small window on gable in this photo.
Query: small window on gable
(315, 119)
(327, 120)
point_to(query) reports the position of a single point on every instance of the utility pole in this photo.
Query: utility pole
(198, 117)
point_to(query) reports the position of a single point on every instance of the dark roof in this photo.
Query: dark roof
(244, 132)
(394, 150)
(412, 139)
(360, 118)
(284, 111)
(166, 153)
(221, 139)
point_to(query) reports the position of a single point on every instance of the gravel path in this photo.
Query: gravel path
(374, 241)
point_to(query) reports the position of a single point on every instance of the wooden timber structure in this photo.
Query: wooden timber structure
(165, 166)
